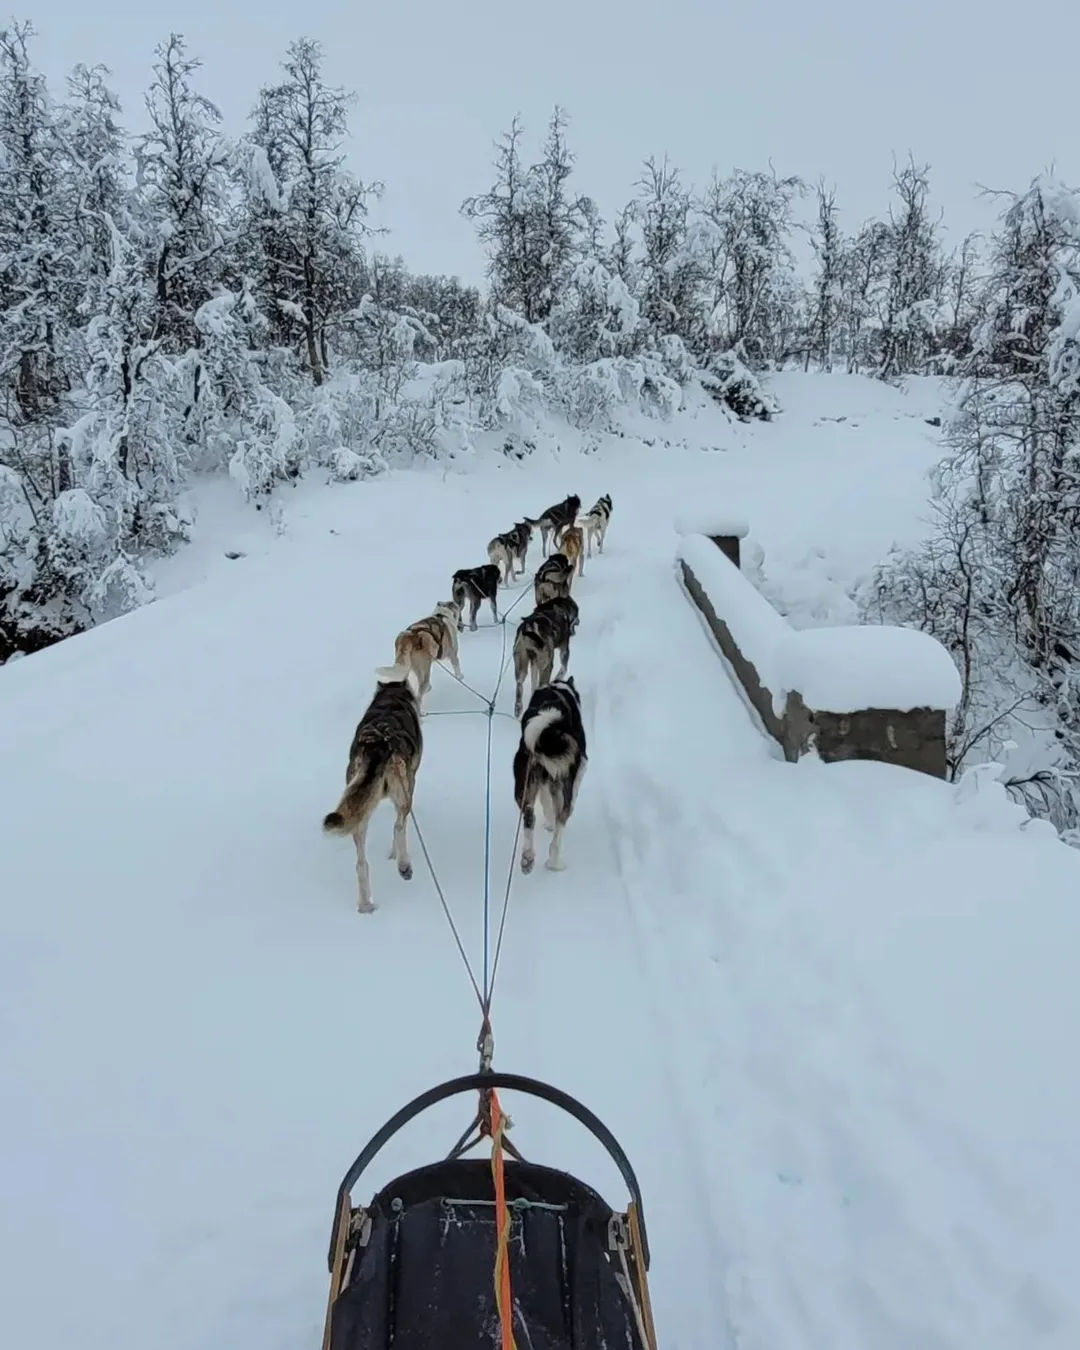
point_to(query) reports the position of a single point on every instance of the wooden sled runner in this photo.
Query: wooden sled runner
(480, 1253)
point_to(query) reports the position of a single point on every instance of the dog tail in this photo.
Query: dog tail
(543, 728)
(395, 674)
(399, 673)
(401, 656)
(360, 798)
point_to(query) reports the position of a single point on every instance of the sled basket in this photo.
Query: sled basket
(413, 1269)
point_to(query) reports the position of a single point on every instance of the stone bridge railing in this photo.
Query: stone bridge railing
(855, 692)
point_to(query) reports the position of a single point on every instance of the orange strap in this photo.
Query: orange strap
(503, 1299)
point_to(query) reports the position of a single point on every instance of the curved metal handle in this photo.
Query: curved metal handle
(512, 1082)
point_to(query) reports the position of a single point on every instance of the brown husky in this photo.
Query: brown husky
(572, 546)
(429, 640)
(383, 759)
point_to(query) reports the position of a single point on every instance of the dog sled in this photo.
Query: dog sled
(488, 1252)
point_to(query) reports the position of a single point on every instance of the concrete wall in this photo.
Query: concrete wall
(913, 739)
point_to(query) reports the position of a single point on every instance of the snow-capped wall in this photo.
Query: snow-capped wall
(863, 692)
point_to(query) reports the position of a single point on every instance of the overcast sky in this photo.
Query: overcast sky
(985, 93)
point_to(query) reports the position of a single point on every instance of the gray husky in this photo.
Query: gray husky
(383, 759)
(510, 550)
(553, 577)
(547, 629)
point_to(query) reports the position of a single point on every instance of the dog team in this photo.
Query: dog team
(388, 745)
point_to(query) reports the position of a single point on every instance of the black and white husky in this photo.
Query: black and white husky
(596, 523)
(475, 584)
(554, 518)
(549, 765)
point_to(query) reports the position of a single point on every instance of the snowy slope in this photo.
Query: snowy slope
(827, 1010)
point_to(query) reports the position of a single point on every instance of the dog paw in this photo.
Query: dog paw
(365, 907)
(555, 865)
(527, 860)
(405, 871)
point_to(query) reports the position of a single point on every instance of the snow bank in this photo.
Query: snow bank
(711, 522)
(850, 669)
(755, 627)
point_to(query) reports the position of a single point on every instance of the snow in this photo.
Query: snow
(828, 1010)
(712, 523)
(850, 668)
(756, 628)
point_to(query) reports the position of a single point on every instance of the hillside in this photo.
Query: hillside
(827, 1009)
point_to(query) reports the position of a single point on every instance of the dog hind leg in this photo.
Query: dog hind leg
(400, 788)
(545, 665)
(364, 903)
(528, 828)
(567, 796)
(455, 659)
(521, 671)
(558, 798)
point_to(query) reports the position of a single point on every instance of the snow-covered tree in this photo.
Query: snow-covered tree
(744, 230)
(826, 297)
(911, 310)
(35, 263)
(596, 316)
(533, 228)
(305, 214)
(93, 152)
(864, 272)
(182, 177)
(962, 281)
(999, 582)
(669, 272)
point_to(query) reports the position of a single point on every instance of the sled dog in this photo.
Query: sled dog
(562, 513)
(549, 765)
(553, 577)
(510, 550)
(547, 629)
(429, 640)
(596, 523)
(572, 546)
(475, 584)
(383, 759)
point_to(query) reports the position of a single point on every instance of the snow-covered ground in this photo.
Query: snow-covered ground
(828, 1010)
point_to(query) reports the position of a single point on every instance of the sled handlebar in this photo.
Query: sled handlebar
(512, 1082)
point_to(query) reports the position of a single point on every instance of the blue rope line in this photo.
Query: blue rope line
(487, 829)
(488, 966)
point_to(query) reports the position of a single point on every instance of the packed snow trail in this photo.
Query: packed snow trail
(201, 1031)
